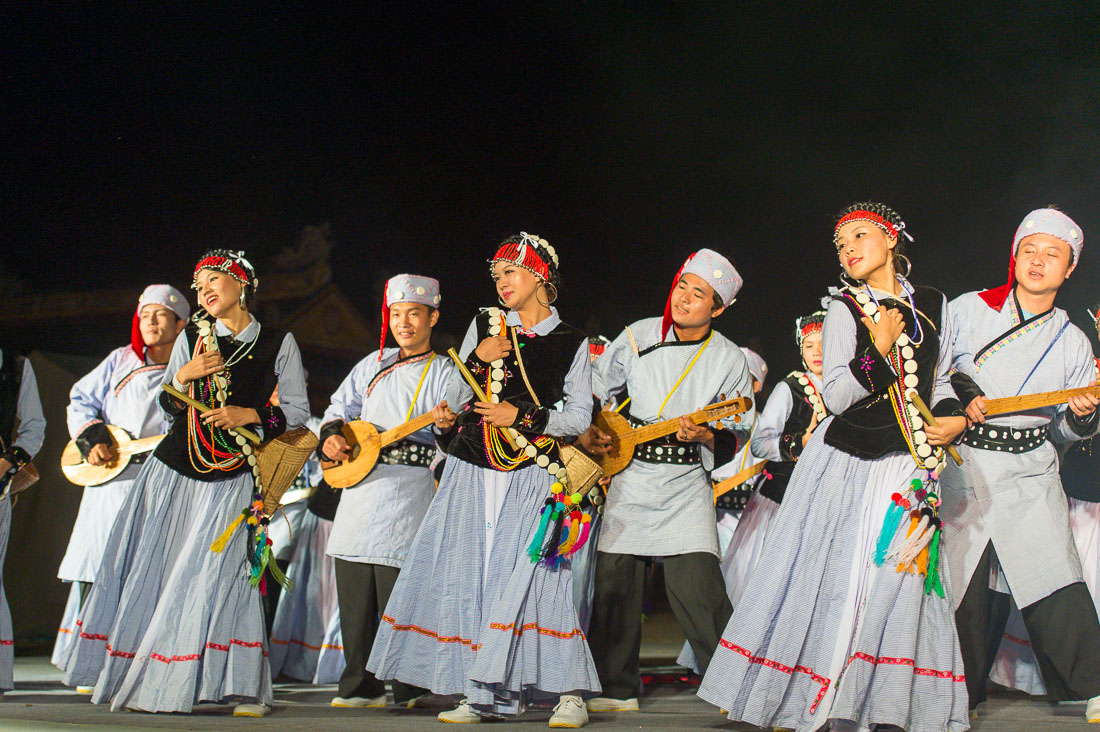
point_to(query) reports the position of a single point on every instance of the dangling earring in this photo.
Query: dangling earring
(240, 300)
(908, 266)
(847, 282)
(501, 301)
(552, 295)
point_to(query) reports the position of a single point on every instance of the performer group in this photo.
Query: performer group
(910, 514)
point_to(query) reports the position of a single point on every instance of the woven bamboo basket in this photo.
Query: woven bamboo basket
(280, 460)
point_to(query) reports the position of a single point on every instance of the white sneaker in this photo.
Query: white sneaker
(85, 690)
(607, 704)
(251, 710)
(358, 702)
(462, 714)
(570, 712)
(1092, 710)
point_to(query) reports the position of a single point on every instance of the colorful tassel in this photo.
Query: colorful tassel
(550, 546)
(932, 579)
(586, 527)
(889, 528)
(221, 541)
(566, 547)
(534, 549)
(277, 574)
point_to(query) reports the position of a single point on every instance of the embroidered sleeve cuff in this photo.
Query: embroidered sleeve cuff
(17, 456)
(328, 429)
(273, 421)
(871, 370)
(725, 446)
(94, 434)
(965, 388)
(530, 419)
(790, 446)
(948, 408)
(1082, 427)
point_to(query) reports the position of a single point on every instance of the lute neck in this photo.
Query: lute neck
(1027, 402)
(657, 430)
(402, 431)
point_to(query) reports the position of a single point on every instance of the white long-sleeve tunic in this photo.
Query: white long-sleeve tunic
(121, 391)
(1014, 500)
(378, 517)
(667, 509)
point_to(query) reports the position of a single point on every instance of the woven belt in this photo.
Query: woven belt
(407, 452)
(1005, 439)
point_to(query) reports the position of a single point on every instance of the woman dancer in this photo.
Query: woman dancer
(850, 622)
(794, 410)
(170, 623)
(483, 606)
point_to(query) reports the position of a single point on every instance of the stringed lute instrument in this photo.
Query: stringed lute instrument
(1025, 402)
(81, 472)
(625, 438)
(365, 442)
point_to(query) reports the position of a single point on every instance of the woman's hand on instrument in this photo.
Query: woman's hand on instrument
(101, 454)
(594, 441)
(945, 431)
(1085, 404)
(493, 347)
(691, 432)
(889, 326)
(228, 417)
(336, 448)
(501, 414)
(443, 417)
(202, 365)
(975, 411)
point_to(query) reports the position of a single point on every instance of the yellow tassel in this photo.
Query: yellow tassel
(222, 540)
(922, 559)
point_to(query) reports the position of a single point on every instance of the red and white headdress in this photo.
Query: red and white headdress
(531, 252)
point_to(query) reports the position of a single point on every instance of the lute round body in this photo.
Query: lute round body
(365, 443)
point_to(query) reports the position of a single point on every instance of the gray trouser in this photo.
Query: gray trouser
(696, 592)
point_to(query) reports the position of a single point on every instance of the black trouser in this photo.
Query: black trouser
(1064, 631)
(362, 591)
(696, 592)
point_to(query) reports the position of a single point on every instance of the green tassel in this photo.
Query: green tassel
(287, 584)
(534, 549)
(932, 580)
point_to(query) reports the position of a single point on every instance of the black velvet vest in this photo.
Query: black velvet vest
(251, 382)
(869, 429)
(790, 442)
(546, 358)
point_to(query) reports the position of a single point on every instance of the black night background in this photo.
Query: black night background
(135, 136)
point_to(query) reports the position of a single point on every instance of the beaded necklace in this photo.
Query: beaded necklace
(919, 552)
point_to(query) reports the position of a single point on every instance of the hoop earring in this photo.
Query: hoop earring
(501, 301)
(552, 296)
(854, 284)
(908, 266)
